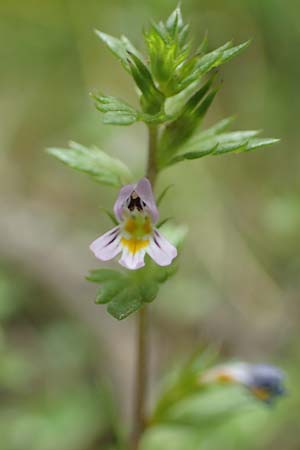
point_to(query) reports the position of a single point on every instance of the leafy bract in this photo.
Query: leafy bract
(99, 165)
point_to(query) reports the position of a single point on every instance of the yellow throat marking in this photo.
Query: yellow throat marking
(134, 245)
(138, 226)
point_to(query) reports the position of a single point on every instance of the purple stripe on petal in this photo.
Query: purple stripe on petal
(107, 246)
(144, 191)
(161, 250)
(124, 194)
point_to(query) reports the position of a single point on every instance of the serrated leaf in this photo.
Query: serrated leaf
(216, 141)
(130, 47)
(102, 275)
(109, 290)
(126, 302)
(115, 111)
(117, 46)
(211, 61)
(151, 99)
(119, 118)
(149, 290)
(257, 143)
(99, 165)
(234, 51)
(217, 128)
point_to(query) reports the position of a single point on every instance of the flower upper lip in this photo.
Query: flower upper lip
(141, 190)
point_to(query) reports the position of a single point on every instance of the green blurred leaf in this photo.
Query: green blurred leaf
(101, 167)
(207, 407)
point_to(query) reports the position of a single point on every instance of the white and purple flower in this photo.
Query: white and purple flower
(137, 213)
(265, 382)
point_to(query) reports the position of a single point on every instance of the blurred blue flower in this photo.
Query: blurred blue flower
(264, 381)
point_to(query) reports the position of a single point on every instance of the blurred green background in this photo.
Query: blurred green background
(237, 288)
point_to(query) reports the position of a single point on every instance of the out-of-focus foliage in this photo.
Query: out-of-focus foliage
(50, 395)
(238, 281)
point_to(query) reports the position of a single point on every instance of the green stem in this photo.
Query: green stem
(142, 323)
(141, 378)
(152, 146)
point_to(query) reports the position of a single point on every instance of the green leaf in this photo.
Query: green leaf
(101, 167)
(174, 22)
(175, 104)
(126, 302)
(115, 111)
(214, 141)
(234, 51)
(152, 99)
(212, 60)
(109, 290)
(103, 275)
(178, 132)
(119, 47)
(220, 126)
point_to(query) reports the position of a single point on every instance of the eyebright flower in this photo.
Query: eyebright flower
(137, 213)
(265, 382)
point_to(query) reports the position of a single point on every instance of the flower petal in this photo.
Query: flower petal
(124, 194)
(144, 191)
(108, 245)
(132, 261)
(161, 250)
